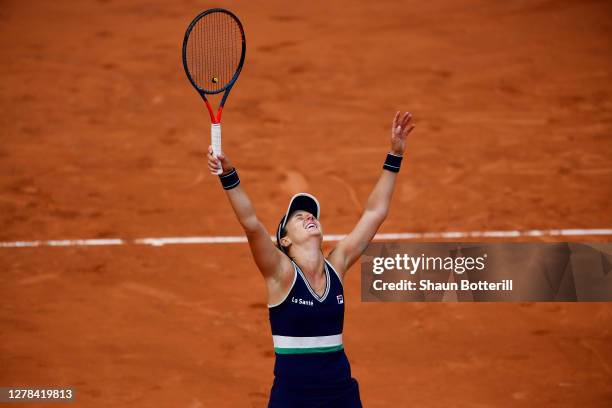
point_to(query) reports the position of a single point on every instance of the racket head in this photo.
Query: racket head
(213, 51)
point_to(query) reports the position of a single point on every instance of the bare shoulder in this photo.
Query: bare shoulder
(337, 261)
(280, 284)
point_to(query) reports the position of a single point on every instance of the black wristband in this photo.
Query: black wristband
(230, 180)
(393, 163)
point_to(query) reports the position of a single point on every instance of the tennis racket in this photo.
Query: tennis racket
(213, 54)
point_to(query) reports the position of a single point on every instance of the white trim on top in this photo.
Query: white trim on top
(312, 292)
(289, 291)
(336, 272)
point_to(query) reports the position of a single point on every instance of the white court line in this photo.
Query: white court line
(379, 237)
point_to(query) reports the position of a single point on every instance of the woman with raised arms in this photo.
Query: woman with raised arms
(304, 288)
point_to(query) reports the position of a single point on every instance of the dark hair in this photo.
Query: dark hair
(282, 233)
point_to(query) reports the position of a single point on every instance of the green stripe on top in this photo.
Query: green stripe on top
(279, 350)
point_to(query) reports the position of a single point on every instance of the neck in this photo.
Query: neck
(309, 259)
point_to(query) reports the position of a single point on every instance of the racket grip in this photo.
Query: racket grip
(215, 141)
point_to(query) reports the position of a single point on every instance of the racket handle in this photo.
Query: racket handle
(215, 141)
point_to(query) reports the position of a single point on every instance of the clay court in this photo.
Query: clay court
(103, 137)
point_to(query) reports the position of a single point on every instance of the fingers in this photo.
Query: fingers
(214, 164)
(406, 118)
(400, 123)
(210, 155)
(213, 169)
(407, 131)
(394, 125)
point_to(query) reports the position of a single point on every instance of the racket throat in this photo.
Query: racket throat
(213, 118)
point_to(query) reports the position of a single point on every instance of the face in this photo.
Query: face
(302, 226)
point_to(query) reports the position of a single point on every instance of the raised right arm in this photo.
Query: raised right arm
(268, 258)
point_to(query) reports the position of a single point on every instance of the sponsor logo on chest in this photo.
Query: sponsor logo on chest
(300, 301)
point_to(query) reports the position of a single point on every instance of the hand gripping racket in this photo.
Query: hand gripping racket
(213, 55)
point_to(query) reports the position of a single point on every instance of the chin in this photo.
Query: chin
(313, 233)
(316, 233)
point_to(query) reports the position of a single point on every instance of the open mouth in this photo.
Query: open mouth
(311, 225)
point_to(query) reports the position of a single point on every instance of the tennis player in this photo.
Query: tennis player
(305, 293)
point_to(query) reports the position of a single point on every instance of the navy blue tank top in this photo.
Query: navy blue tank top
(307, 331)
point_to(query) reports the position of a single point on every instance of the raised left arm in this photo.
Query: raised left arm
(376, 209)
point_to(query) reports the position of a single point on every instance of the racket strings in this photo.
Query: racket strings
(214, 51)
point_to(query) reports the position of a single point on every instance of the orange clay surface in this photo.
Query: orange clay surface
(102, 136)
